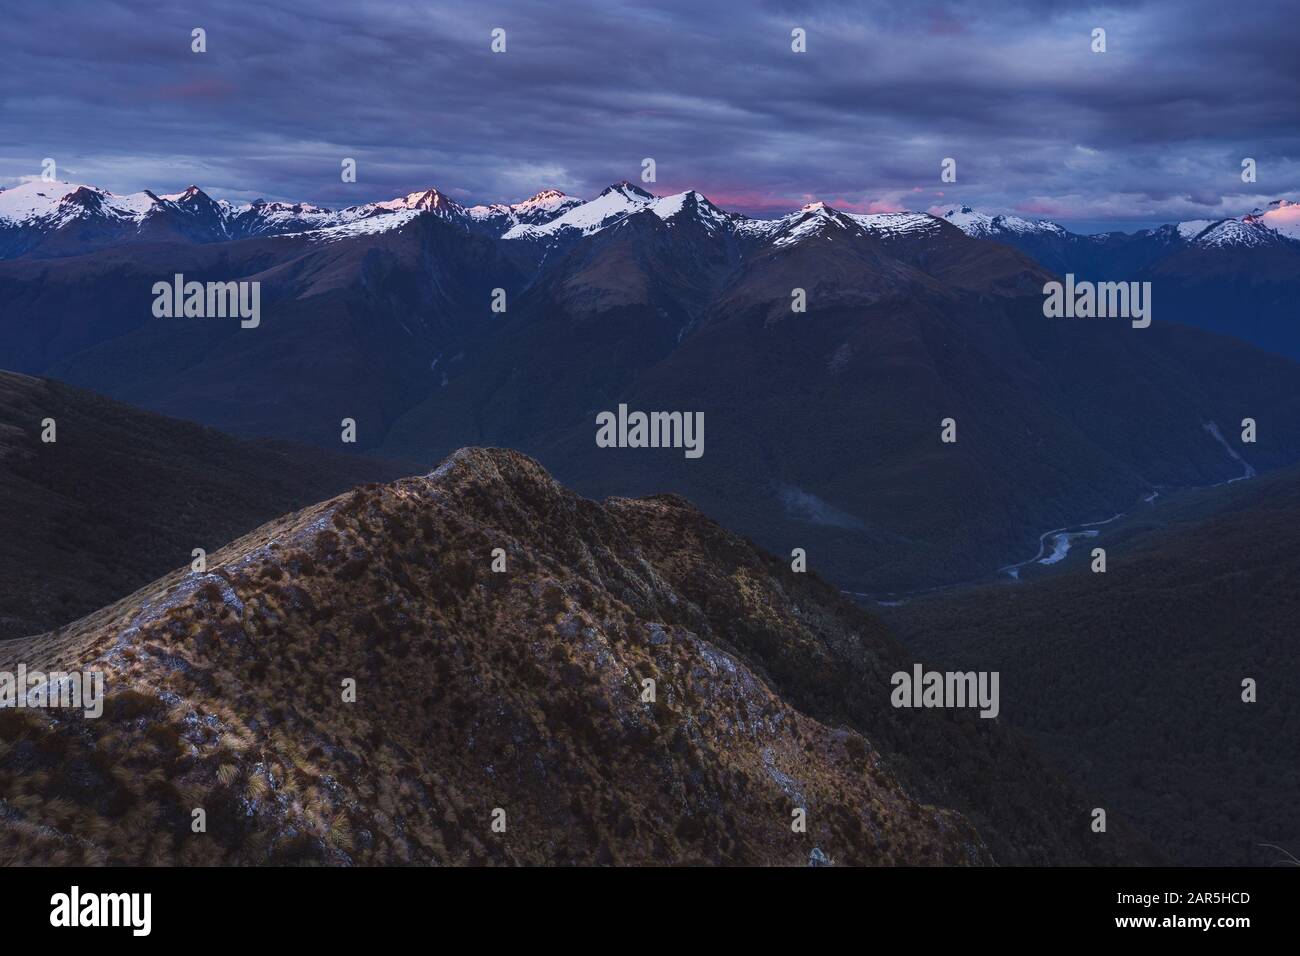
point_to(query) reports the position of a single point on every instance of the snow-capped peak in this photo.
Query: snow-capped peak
(298, 208)
(619, 201)
(812, 219)
(817, 218)
(32, 200)
(426, 200)
(613, 204)
(1282, 216)
(969, 221)
(1192, 228)
(690, 203)
(982, 226)
(1230, 233)
(1279, 222)
(544, 197)
(50, 205)
(260, 218)
(535, 210)
(354, 227)
(893, 225)
(631, 192)
(190, 192)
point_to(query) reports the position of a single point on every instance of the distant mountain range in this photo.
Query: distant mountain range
(59, 218)
(822, 426)
(1240, 276)
(40, 218)
(1235, 276)
(1277, 223)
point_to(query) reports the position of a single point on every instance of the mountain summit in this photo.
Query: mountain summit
(382, 677)
(521, 689)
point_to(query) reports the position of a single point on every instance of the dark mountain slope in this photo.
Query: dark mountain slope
(601, 312)
(823, 428)
(1248, 290)
(519, 690)
(349, 328)
(124, 496)
(1251, 293)
(1132, 678)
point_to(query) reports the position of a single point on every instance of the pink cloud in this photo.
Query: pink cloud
(942, 23)
(855, 205)
(1039, 207)
(739, 198)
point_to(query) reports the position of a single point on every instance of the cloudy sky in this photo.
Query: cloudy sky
(1152, 130)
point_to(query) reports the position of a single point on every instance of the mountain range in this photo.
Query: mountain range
(823, 425)
(55, 218)
(1240, 277)
(59, 218)
(434, 326)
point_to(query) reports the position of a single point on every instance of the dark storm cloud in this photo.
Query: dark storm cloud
(1153, 129)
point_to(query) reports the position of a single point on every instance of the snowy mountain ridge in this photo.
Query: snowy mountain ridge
(550, 216)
